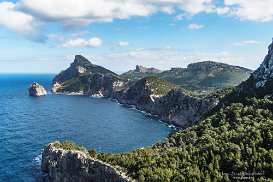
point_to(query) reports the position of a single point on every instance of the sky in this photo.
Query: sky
(43, 36)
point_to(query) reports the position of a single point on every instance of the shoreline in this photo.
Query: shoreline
(172, 126)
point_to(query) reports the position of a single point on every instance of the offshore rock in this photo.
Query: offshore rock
(36, 90)
(77, 166)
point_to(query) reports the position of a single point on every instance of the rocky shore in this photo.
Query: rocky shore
(77, 166)
(150, 94)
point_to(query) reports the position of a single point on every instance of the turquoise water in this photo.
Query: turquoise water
(27, 124)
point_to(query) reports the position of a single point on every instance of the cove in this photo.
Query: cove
(27, 124)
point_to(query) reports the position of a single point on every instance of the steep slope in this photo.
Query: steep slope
(81, 66)
(259, 85)
(208, 75)
(168, 101)
(234, 144)
(151, 94)
(83, 77)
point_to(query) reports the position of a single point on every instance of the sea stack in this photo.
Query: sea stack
(36, 90)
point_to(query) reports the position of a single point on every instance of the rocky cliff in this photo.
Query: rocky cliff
(168, 101)
(140, 72)
(83, 77)
(36, 90)
(259, 84)
(151, 94)
(70, 165)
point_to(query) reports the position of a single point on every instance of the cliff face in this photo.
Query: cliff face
(151, 94)
(166, 100)
(184, 110)
(259, 84)
(77, 166)
(83, 77)
(81, 66)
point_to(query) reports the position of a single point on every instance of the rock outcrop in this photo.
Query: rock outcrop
(81, 66)
(259, 84)
(36, 90)
(77, 166)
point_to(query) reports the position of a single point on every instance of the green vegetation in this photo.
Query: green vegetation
(67, 145)
(237, 139)
(73, 85)
(136, 75)
(159, 86)
(202, 76)
(206, 75)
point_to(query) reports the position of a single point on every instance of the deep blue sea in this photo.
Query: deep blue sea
(27, 124)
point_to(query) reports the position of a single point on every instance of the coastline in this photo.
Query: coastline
(172, 126)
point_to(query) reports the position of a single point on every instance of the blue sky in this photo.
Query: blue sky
(43, 36)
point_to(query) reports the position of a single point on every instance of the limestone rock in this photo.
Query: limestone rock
(55, 87)
(36, 90)
(77, 166)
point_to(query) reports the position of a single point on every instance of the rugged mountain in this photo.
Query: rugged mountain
(140, 72)
(81, 66)
(168, 101)
(235, 143)
(151, 94)
(207, 75)
(83, 77)
(259, 84)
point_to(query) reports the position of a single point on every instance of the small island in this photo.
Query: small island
(36, 90)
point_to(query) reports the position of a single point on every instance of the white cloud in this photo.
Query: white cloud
(195, 26)
(18, 21)
(122, 43)
(85, 12)
(254, 10)
(246, 42)
(26, 15)
(79, 42)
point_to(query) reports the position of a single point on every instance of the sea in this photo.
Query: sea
(27, 124)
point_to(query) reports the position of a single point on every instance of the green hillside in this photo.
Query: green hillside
(235, 140)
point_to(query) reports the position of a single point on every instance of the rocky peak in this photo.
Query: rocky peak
(142, 69)
(205, 65)
(36, 90)
(265, 72)
(81, 61)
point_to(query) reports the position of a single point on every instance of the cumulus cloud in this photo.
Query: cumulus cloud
(18, 21)
(79, 42)
(253, 10)
(246, 42)
(195, 26)
(28, 14)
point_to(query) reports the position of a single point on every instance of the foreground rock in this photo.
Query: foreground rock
(36, 90)
(77, 166)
